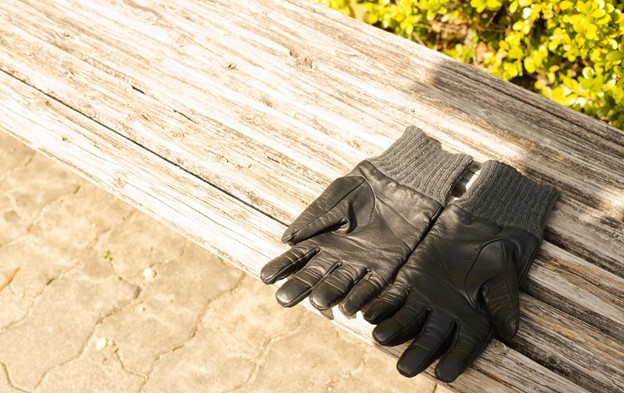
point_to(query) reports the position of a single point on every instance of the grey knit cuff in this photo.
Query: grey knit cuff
(502, 195)
(418, 162)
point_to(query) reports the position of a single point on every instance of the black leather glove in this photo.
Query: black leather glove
(462, 281)
(350, 242)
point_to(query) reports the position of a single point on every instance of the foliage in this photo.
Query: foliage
(570, 51)
(343, 6)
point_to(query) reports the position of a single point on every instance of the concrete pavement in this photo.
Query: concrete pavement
(105, 299)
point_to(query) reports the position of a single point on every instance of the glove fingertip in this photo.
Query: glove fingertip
(412, 362)
(285, 299)
(406, 370)
(361, 295)
(266, 278)
(371, 314)
(269, 274)
(447, 374)
(508, 328)
(292, 292)
(376, 312)
(388, 333)
(287, 237)
(323, 300)
(347, 308)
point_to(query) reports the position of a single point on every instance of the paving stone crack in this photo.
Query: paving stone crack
(46, 206)
(349, 374)
(264, 351)
(19, 168)
(36, 219)
(196, 327)
(5, 371)
(127, 370)
(91, 334)
(36, 298)
(101, 319)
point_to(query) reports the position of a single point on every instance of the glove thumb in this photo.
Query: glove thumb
(324, 212)
(500, 294)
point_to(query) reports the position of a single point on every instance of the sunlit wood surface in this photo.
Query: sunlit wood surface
(224, 119)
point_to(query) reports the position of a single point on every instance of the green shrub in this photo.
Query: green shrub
(343, 6)
(570, 51)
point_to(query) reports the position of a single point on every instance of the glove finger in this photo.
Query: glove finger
(285, 264)
(426, 348)
(500, 296)
(386, 305)
(469, 344)
(362, 293)
(404, 324)
(300, 285)
(336, 286)
(324, 212)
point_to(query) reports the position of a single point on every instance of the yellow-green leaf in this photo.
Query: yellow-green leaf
(515, 53)
(478, 4)
(493, 4)
(513, 7)
(588, 72)
(529, 65)
(615, 56)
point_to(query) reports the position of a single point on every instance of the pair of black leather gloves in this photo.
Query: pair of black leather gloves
(381, 240)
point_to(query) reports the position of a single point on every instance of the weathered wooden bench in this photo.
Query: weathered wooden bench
(224, 119)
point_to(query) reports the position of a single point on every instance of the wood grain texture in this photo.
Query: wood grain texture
(268, 101)
(251, 168)
(208, 216)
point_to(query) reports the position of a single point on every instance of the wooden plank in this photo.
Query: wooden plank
(208, 216)
(137, 176)
(212, 96)
(75, 61)
(575, 286)
(119, 57)
(585, 232)
(569, 347)
(293, 140)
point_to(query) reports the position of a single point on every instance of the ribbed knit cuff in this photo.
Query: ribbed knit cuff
(418, 162)
(502, 195)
